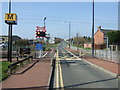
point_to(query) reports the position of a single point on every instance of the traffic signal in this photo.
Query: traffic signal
(40, 34)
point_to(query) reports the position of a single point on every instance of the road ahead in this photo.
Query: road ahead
(73, 72)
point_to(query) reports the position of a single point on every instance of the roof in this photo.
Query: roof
(12, 36)
(106, 31)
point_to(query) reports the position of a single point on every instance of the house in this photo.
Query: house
(4, 38)
(100, 38)
(87, 45)
(52, 40)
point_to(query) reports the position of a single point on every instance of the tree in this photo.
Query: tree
(114, 37)
(22, 42)
(57, 40)
(82, 40)
(89, 39)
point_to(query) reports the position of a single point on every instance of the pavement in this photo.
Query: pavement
(36, 77)
(106, 65)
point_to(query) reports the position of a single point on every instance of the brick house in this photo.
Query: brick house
(100, 38)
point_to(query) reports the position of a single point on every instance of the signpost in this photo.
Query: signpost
(10, 19)
(40, 35)
(39, 48)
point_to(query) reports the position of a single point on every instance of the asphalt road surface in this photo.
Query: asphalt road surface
(73, 72)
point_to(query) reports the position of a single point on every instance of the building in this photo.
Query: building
(87, 45)
(4, 38)
(52, 40)
(100, 38)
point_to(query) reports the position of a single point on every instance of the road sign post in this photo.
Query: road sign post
(10, 19)
(39, 52)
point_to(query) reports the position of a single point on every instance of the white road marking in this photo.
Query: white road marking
(44, 55)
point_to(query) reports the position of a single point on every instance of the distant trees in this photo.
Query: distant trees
(21, 42)
(57, 40)
(81, 40)
(114, 37)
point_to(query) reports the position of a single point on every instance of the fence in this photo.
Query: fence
(113, 56)
(13, 67)
(108, 55)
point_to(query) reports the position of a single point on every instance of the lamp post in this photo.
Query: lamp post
(93, 32)
(69, 33)
(44, 20)
(77, 35)
(107, 43)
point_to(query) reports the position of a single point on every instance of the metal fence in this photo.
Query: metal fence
(113, 56)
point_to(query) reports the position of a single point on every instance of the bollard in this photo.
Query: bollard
(22, 64)
(10, 69)
(17, 58)
(28, 59)
(31, 58)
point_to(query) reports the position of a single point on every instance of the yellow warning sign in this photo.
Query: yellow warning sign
(10, 17)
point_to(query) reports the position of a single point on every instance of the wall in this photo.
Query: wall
(99, 37)
(87, 45)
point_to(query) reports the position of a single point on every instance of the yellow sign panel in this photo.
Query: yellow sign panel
(10, 17)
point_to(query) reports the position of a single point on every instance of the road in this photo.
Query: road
(73, 72)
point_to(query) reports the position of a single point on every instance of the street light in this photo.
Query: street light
(69, 31)
(44, 21)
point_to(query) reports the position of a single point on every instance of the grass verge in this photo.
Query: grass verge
(3, 69)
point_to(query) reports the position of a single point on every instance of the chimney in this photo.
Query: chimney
(99, 27)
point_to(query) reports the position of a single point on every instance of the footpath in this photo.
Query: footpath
(36, 77)
(106, 65)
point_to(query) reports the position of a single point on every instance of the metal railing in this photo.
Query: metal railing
(108, 55)
(112, 56)
(15, 66)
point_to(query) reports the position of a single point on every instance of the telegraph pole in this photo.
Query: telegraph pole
(69, 32)
(93, 32)
(77, 35)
